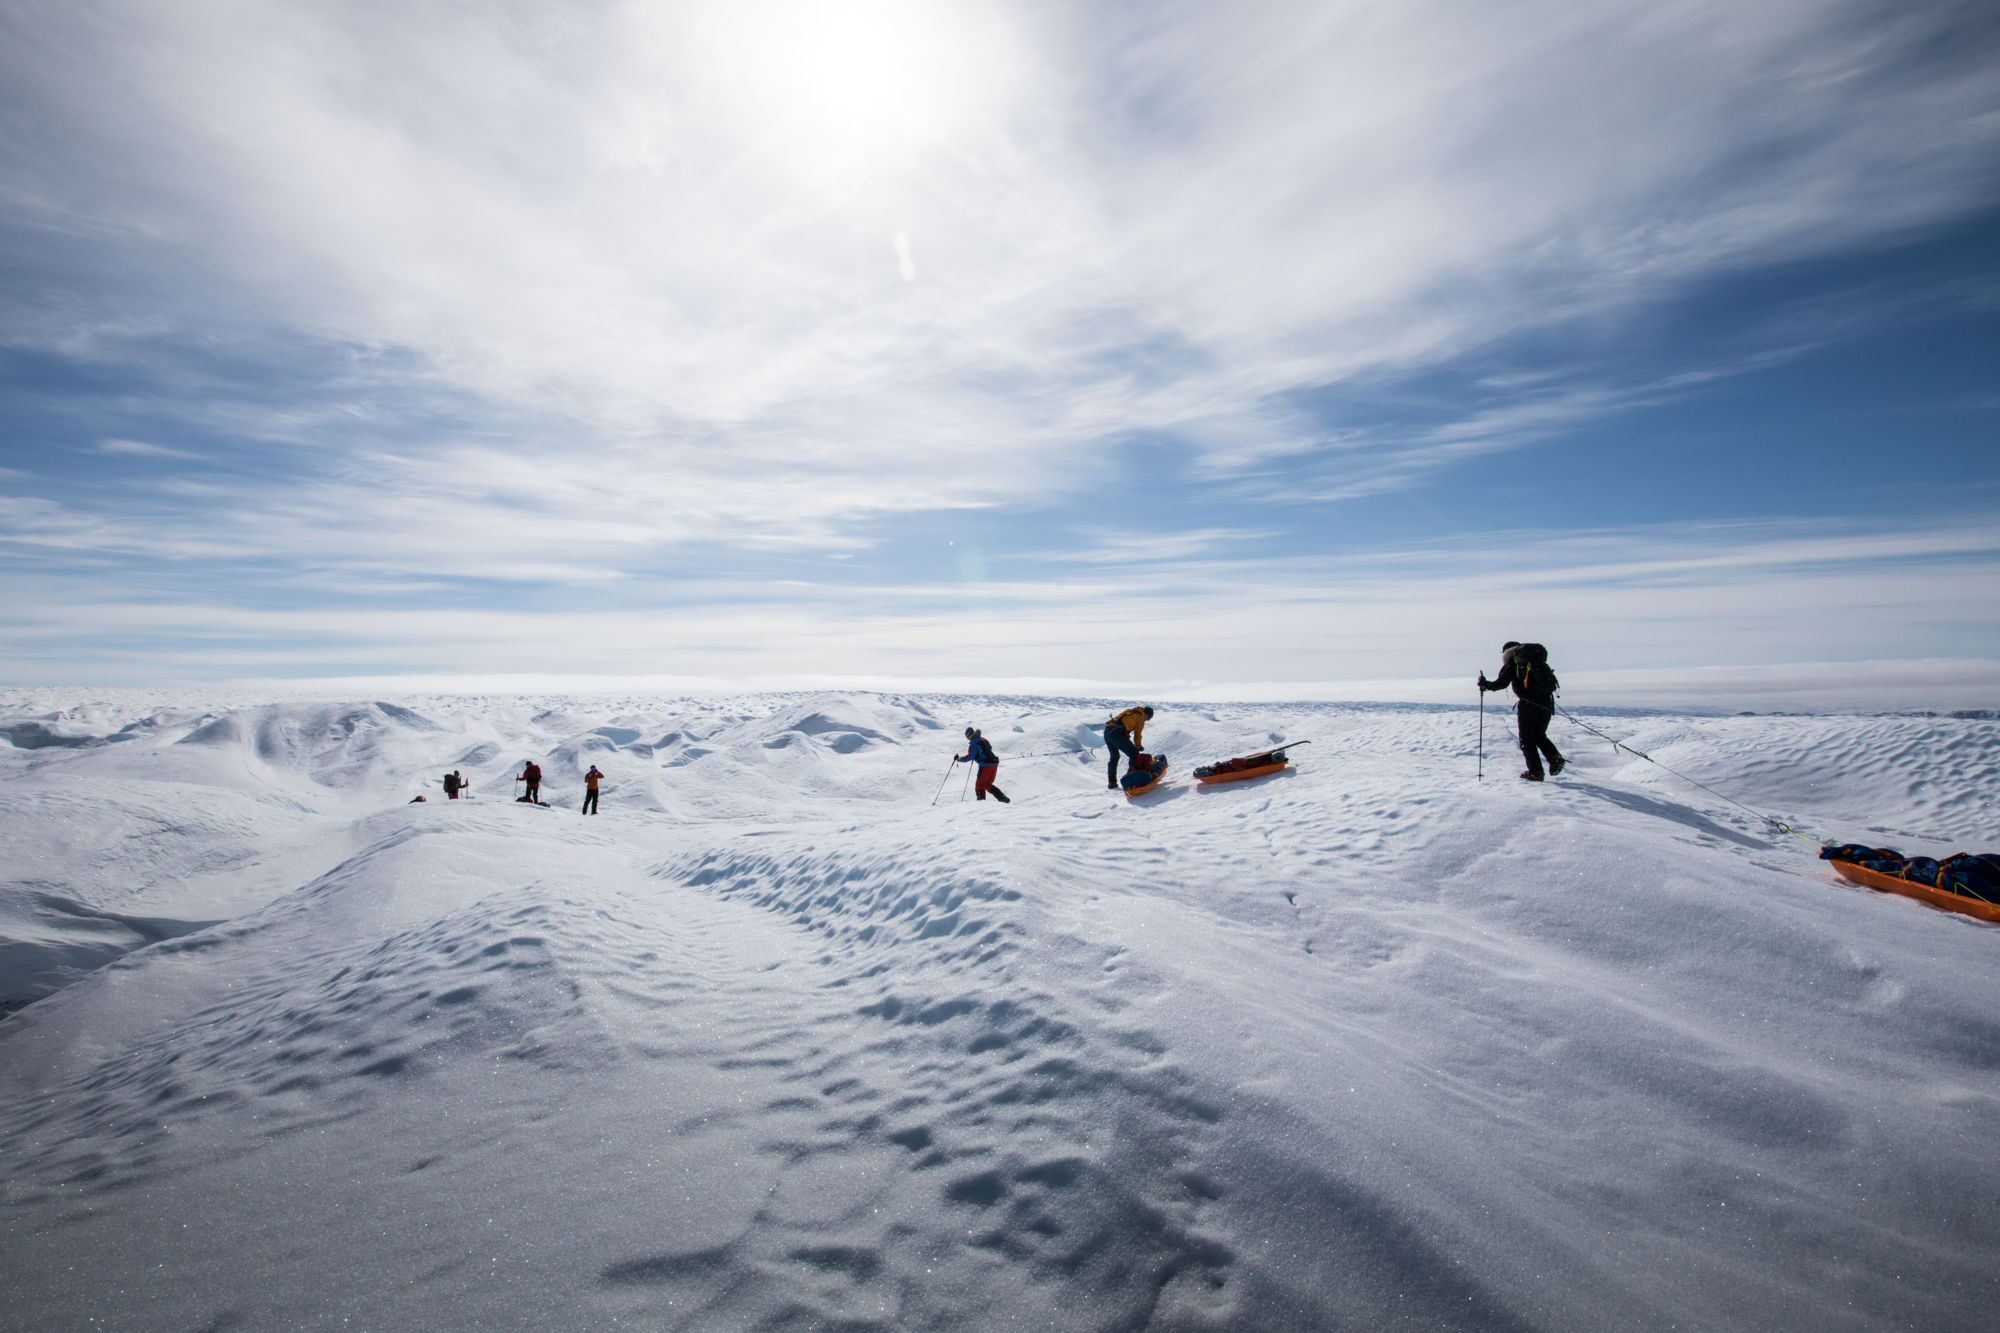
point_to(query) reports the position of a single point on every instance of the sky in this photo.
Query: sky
(1195, 344)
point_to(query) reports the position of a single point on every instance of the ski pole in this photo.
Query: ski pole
(968, 783)
(947, 778)
(1479, 774)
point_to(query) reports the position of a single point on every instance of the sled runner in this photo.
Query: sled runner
(1965, 883)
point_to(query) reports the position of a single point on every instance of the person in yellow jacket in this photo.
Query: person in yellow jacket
(1123, 735)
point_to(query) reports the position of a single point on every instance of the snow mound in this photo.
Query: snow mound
(793, 1035)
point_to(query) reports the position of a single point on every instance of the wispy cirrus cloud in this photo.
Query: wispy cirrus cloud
(1132, 548)
(141, 449)
(627, 220)
(620, 301)
(1646, 599)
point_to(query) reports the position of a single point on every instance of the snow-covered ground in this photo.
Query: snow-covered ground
(777, 1043)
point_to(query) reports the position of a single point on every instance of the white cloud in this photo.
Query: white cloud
(141, 449)
(665, 237)
(1670, 599)
(582, 294)
(1136, 548)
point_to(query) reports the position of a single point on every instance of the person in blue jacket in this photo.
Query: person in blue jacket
(978, 750)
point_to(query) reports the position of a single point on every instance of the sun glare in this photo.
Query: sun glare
(858, 83)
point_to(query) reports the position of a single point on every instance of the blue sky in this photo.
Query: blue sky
(1198, 342)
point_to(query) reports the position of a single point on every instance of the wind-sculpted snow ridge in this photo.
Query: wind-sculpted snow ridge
(1053, 1162)
(794, 1036)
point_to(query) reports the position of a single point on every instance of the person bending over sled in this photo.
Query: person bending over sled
(979, 751)
(1123, 735)
(1525, 666)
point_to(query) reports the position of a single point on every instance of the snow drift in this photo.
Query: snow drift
(776, 1043)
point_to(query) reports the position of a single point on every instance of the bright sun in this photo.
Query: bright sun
(858, 84)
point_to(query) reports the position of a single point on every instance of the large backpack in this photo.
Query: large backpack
(1532, 670)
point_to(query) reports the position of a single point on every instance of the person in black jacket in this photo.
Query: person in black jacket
(979, 751)
(1525, 666)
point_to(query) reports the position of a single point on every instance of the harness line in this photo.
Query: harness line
(1616, 745)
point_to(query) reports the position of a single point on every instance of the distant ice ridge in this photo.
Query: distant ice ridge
(775, 1042)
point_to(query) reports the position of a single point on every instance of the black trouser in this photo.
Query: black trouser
(1534, 716)
(535, 790)
(1118, 742)
(590, 801)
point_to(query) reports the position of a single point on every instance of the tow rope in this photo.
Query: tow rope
(1782, 826)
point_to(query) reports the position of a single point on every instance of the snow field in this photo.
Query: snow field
(775, 1043)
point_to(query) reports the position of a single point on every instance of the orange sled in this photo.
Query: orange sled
(1242, 773)
(1923, 893)
(1254, 765)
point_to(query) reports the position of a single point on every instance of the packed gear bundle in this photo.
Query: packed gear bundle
(1246, 766)
(1967, 882)
(1145, 774)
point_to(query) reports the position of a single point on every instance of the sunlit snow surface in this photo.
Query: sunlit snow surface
(776, 1043)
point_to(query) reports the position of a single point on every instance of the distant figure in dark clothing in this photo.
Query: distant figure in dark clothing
(531, 773)
(590, 781)
(1525, 666)
(979, 751)
(454, 784)
(1123, 734)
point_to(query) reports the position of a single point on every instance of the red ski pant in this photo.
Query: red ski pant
(987, 772)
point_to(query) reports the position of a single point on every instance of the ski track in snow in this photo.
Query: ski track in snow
(776, 1043)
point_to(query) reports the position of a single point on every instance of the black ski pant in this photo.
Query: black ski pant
(1534, 716)
(590, 801)
(1118, 742)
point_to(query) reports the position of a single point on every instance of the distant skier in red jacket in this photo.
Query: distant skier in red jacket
(979, 751)
(531, 773)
